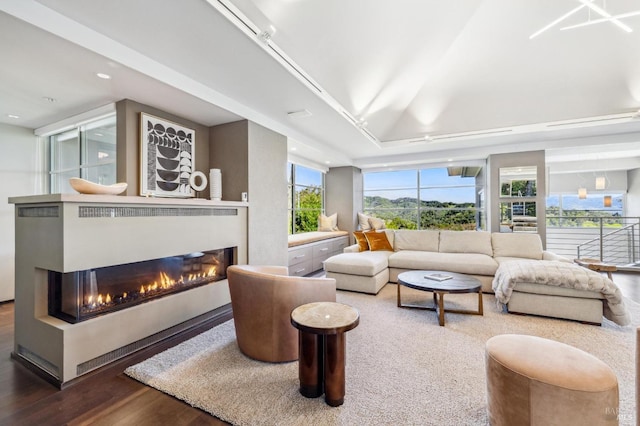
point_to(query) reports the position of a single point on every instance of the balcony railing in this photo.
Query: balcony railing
(614, 240)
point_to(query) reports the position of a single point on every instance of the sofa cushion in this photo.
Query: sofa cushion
(517, 244)
(376, 224)
(391, 235)
(328, 223)
(425, 240)
(378, 241)
(367, 263)
(363, 245)
(363, 222)
(464, 263)
(466, 242)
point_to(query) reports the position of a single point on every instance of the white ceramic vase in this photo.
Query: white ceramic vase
(215, 184)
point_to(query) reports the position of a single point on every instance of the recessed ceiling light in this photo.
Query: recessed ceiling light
(103, 76)
(293, 148)
(13, 116)
(327, 162)
(450, 159)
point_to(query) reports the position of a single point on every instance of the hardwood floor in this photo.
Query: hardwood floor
(629, 284)
(108, 397)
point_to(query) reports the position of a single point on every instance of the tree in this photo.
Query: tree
(309, 207)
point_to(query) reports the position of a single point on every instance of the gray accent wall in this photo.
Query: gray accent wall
(128, 145)
(253, 159)
(343, 195)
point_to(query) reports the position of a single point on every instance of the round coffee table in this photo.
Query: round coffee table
(322, 348)
(458, 283)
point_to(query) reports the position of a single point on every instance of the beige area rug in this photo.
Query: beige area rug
(402, 367)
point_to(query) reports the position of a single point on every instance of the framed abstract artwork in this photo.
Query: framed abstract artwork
(166, 158)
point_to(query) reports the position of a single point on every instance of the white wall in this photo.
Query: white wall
(633, 194)
(20, 174)
(570, 182)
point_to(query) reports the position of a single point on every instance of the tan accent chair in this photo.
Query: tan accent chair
(262, 298)
(537, 381)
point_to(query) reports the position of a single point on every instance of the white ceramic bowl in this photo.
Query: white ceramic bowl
(85, 187)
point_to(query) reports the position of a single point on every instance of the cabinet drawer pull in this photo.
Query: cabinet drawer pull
(324, 249)
(299, 271)
(300, 256)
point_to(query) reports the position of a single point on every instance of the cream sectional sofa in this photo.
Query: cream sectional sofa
(475, 253)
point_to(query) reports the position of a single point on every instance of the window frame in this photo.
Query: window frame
(293, 208)
(478, 210)
(58, 176)
(563, 219)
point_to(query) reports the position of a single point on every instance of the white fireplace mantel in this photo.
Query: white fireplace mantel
(73, 232)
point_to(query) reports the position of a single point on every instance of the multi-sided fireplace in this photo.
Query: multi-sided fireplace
(81, 295)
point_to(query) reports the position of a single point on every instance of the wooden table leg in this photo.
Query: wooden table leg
(480, 309)
(440, 307)
(310, 364)
(334, 362)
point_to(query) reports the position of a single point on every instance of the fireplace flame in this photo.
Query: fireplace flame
(164, 283)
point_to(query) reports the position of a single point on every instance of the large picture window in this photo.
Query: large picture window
(306, 198)
(87, 151)
(569, 210)
(434, 198)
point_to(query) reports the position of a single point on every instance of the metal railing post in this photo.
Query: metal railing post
(601, 242)
(633, 242)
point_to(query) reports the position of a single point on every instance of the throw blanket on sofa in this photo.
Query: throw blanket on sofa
(560, 274)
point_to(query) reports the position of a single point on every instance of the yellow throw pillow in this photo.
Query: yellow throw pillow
(361, 240)
(378, 241)
(328, 223)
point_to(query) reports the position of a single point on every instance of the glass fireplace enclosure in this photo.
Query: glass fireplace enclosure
(81, 295)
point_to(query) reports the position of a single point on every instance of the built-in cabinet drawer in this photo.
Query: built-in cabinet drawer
(339, 244)
(322, 249)
(301, 269)
(308, 258)
(300, 254)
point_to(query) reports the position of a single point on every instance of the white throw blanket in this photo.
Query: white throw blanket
(560, 274)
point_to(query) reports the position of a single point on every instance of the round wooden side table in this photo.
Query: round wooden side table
(321, 330)
(597, 265)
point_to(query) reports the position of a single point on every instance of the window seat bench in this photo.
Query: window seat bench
(308, 250)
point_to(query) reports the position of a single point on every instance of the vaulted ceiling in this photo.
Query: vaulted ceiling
(383, 83)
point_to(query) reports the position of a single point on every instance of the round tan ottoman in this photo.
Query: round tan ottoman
(536, 381)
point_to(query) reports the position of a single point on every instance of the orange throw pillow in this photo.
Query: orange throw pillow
(361, 240)
(378, 241)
